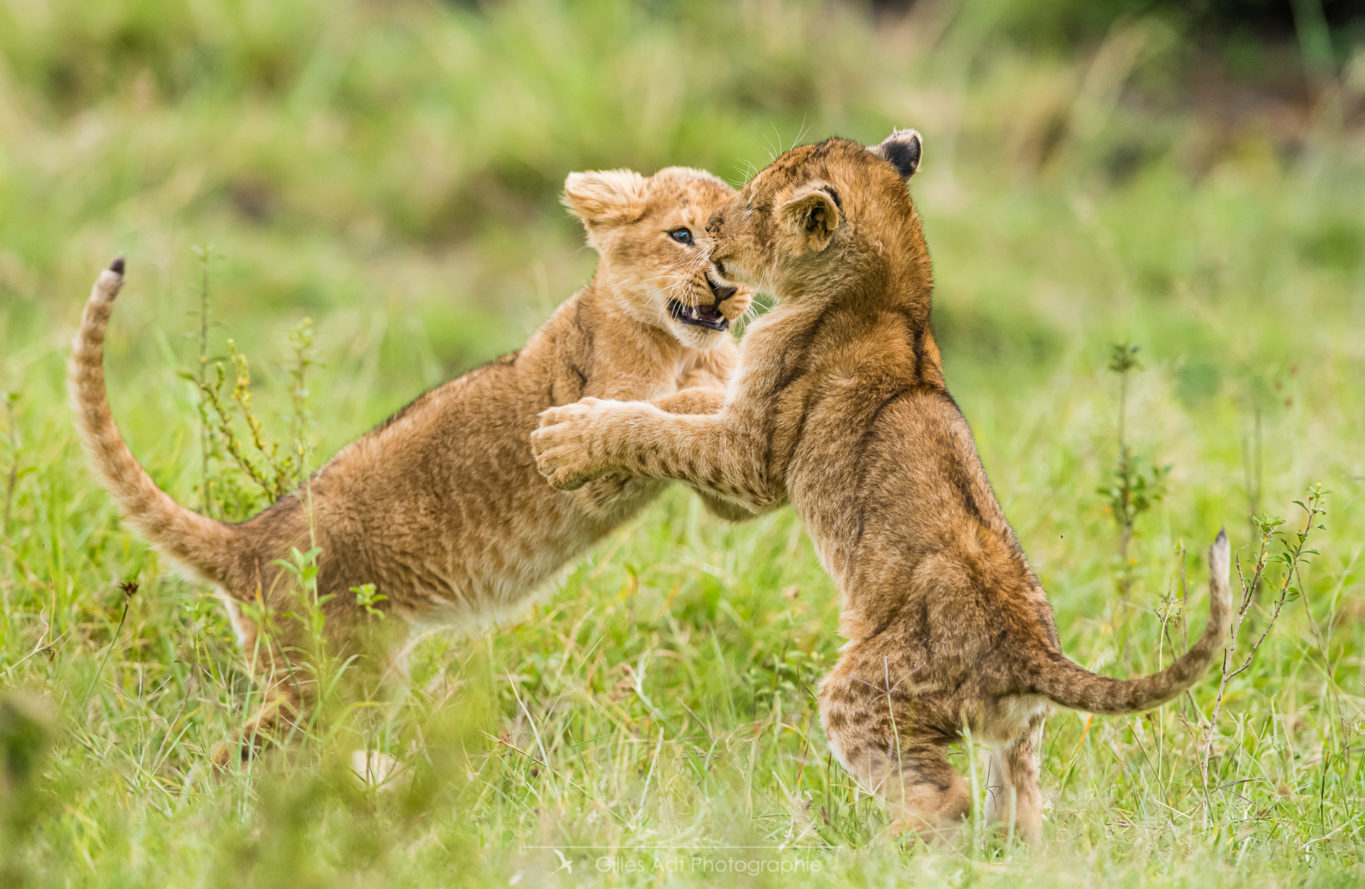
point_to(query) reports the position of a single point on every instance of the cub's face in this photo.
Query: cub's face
(817, 215)
(655, 254)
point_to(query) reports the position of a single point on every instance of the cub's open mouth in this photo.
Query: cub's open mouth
(699, 316)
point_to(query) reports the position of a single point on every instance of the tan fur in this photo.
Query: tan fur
(839, 404)
(441, 507)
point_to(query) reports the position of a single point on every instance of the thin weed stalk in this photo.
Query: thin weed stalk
(12, 481)
(1294, 553)
(1136, 485)
(301, 418)
(129, 589)
(1252, 468)
(206, 255)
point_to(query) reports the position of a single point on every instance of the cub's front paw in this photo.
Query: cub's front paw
(563, 445)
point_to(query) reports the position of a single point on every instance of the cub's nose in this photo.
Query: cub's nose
(721, 292)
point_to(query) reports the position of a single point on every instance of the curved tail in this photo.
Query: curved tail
(1066, 683)
(202, 545)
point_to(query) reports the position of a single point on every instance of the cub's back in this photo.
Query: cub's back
(441, 506)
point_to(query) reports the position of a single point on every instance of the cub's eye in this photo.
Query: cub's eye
(681, 235)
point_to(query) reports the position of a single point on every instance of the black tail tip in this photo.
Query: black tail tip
(1222, 536)
(117, 265)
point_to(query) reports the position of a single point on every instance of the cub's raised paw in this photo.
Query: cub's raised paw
(562, 445)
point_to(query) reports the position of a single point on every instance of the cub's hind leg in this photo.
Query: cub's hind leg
(869, 718)
(279, 672)
(284, 701)
(1012, 793)
(928, 795)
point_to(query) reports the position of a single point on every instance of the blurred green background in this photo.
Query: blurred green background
(1186, 177)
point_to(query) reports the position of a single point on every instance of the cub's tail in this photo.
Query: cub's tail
(1066, 683)
(199, 544)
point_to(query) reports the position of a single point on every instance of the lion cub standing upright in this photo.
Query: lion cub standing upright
(441, 507)
(839, 404)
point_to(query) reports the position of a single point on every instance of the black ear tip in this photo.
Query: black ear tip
(117, 265)
(903, 149)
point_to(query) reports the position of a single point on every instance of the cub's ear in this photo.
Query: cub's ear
(902, 149)
(606, 197)
(812, 214)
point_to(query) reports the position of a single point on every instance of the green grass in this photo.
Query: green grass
(390, 170)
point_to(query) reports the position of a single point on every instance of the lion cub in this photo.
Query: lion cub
(441, 507)
(839, 404)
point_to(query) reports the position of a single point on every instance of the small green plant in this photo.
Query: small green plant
(275, 470)
(367, 597)
(304, 568)
(1290, 553)
(1136, 484)
(275, 474)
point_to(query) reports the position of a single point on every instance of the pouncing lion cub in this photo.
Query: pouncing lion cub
(441, 507)
(839, 404)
